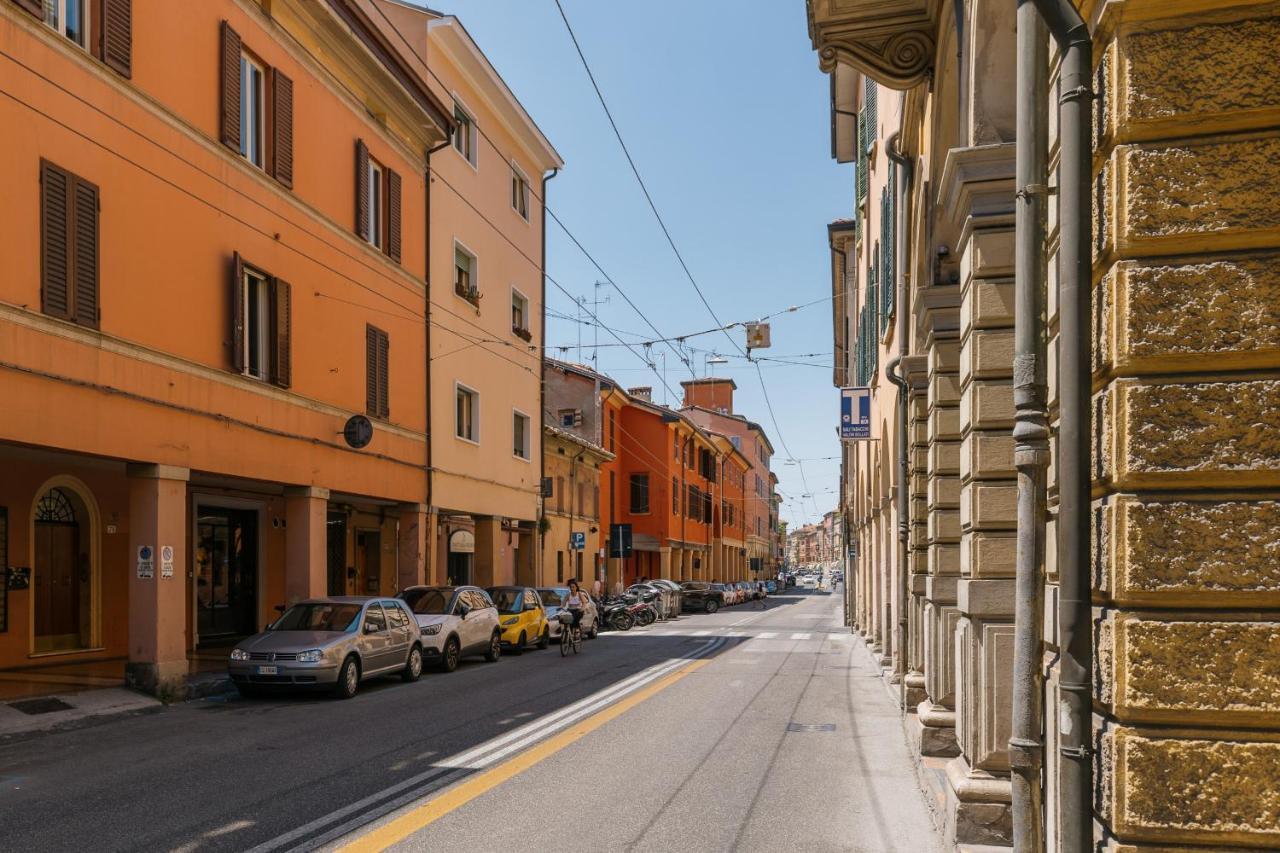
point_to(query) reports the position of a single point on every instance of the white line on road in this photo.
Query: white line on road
(800, 636)
(767, 635)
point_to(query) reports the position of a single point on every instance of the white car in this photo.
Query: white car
(553, 597)
(454, 622)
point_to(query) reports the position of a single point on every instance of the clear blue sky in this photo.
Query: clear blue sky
(726, 114)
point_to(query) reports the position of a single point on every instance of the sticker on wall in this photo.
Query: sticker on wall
(166, 561)
(146, 562)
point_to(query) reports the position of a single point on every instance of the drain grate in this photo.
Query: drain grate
(40, 706)
(811, 727)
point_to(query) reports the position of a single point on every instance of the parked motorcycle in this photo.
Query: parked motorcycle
(615, 614)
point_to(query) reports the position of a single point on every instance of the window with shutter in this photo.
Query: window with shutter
(116, 47)
(281, 332)
(377, 373)
(362, 189)
(69, 246)
(282, 128)
(393, 215)
(229, 116)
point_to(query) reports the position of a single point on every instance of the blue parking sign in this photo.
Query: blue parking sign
(855, 414)
(577, 541)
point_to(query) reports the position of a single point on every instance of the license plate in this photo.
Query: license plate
(266, 670)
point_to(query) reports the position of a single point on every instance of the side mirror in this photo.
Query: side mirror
(370, 628)
(463, 610)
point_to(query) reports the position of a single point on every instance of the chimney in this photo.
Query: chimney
(712, 392)
(644, 392)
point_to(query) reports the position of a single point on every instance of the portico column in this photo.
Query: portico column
(488, 556)
(157, 578)
(665, 560)
(414, 545)
(306, 554)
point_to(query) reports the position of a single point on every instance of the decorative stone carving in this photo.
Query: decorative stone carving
(890, 41)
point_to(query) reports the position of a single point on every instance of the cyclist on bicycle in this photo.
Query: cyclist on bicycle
(576, 603)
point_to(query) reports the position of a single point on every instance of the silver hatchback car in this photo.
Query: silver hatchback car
(330, 643)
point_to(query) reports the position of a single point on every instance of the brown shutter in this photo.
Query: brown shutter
(393, 215)
(84, 232)
(281, 332)
(362, 188)
(384, 375)
(371, 371)
(35, 7)
(117, 37)
(55, 241)
(230, 122)
(282, 127)
(237, 314)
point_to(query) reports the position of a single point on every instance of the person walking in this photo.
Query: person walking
(761, 592)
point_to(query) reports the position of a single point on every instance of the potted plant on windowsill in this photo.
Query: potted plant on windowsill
(471, 293)
(523, 334)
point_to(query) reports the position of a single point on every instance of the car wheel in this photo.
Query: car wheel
(449, 657)
(495, 649)
(413, 668)
(521, 642)
(712, 607)
(545, 639)
(348, 679)
(595, 630)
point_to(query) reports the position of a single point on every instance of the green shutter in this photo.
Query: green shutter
(862, 155)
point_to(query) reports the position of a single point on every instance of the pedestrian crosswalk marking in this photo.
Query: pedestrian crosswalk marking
(799, 636)
(767, 635)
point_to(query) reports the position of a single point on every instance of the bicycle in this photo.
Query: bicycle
(570, 634)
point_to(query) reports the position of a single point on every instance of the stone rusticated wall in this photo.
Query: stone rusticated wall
(1187, 426)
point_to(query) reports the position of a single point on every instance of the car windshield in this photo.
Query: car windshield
(553, 597)
(428, 602)
(318, 617)
(693, 585)
(506, 600)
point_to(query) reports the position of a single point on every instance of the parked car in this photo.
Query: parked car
(522, 617)
(699, 595)
(329, 643)
(728, 591)
(455, 622)
(553, 599)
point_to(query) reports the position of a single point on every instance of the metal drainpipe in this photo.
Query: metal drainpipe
(1075, 617)
(1031, 427)
(429, 559)
(891, 373)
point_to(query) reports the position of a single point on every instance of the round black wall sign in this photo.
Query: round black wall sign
(358, 431)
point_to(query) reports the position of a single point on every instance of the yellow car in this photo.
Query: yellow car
(521, 617)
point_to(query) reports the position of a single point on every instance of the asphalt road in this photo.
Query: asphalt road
(669, 738)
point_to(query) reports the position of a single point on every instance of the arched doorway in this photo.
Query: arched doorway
(63, 599)
(462, 548)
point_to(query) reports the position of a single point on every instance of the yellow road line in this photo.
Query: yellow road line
(382, 837)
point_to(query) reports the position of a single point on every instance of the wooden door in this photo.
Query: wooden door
(57, 596)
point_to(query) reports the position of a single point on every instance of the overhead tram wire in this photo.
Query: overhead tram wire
(506, 158)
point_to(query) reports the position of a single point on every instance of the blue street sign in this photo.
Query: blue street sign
(578, 541)
(855, 414)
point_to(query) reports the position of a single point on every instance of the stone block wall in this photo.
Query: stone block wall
(1186, 354)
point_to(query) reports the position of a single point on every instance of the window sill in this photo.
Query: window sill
(523, 334)
(472, 300)
(467, 440)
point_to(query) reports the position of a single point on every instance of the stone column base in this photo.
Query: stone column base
(933, 730)
(913, 688)
(979, 806)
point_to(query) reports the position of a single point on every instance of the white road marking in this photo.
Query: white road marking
(767, 635)
(701, 633)
(800, 636)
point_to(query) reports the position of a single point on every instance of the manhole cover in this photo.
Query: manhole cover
(811, 727)
(40, 706)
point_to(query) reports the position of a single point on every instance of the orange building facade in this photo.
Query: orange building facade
(216, 256)
(708, 402)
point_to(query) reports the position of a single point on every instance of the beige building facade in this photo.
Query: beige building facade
(1167, 737)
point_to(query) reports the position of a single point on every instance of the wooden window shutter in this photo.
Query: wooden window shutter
(362, 188)
(393, 215)
(384, 375)
(282, 127)
(230, 121)
(281, 332)
(117, 37)
(371, 371)
(55, 241)
(237, 314)
(84, 231)
(35, 7)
